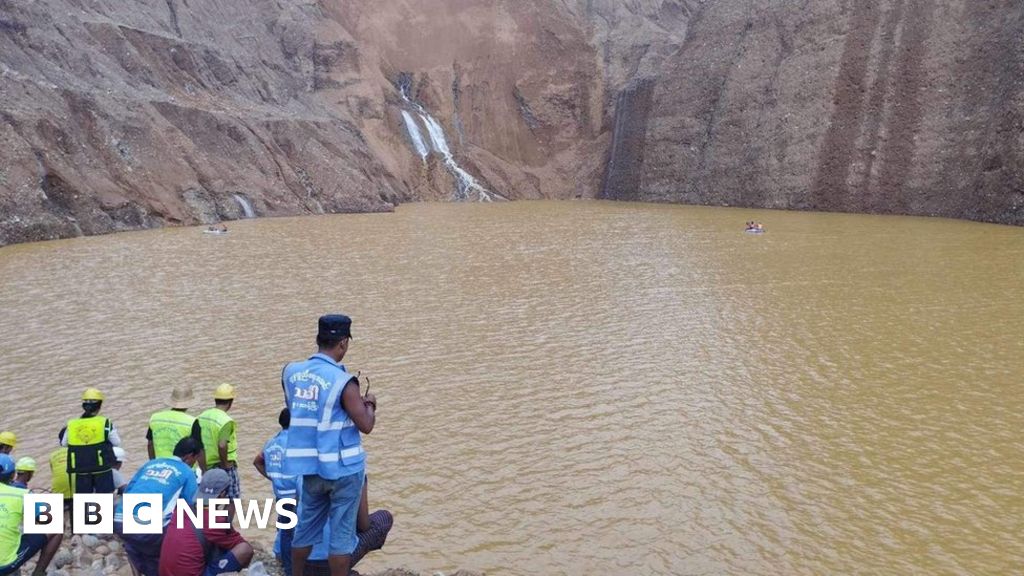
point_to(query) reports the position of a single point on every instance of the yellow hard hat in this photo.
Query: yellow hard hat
(25, 464)
(224, 392)
(92, 395)
(8, 438)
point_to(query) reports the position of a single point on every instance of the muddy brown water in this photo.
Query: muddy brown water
(577, 388)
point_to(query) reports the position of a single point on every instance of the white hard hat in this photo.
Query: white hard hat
(119, 453)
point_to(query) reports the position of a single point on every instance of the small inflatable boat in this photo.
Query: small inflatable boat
(754, 231)
(215, 232)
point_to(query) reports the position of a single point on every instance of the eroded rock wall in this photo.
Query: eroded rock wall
(886, 106)
(118, 114)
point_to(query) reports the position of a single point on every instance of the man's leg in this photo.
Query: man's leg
(345, 497)
(32, 544)
(103, 482)
(374, 536)
(314, 508)
(286, 543)
(233, 560)
(49, 551)
(83, 483)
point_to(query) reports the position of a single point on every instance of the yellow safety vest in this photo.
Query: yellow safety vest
(62, 481)
(168, 428)
(211, 422)
(89, 449)
(10, 522)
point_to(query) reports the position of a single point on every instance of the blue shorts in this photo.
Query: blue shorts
(31, 544)
(336, 501)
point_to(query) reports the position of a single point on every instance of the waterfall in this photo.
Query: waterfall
(244, 204)
(465, 181)
(414, 134)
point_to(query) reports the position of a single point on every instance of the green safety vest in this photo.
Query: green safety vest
(168, 428)
(10, 522)
(89, 449)
(211, 422)
(59, 470)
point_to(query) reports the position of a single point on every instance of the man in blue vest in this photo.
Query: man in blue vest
(327, 415)
(270, 463)
(172, 478)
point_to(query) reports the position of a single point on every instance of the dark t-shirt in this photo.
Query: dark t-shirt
(182, 554)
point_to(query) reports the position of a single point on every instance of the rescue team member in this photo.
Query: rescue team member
(17, 548)
(189, 551)
(327, 415)
(90, 441)
(119, 480)
(372, 532)
(219, 437)
(172, 478)
(60, 481)
(24, 469)
(7, 442)
(269, 462)
(168, 426)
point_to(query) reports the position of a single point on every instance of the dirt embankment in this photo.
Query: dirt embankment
(118, 115)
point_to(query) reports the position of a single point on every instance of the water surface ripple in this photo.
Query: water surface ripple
(577, 388)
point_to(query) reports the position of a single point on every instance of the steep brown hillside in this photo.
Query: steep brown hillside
(888, 106)
(118, 114)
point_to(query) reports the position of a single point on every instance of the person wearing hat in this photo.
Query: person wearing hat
(220, 550)
(7, 442)
(17, 548)
(24, 469)
(90, 441)
(220, 437)
(172, 478)
(324, 446)
(168, 426)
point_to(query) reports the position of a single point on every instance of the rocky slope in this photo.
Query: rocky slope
(889, 106)
(118, 114)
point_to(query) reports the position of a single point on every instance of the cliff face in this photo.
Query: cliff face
(118, 114)
(888, 106)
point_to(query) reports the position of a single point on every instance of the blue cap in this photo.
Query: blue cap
(335, 326)
(6, 465)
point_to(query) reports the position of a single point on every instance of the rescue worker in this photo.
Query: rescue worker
(119, 480)
(24, 469)
(324, 447)
(172, 478)
(7, 442)
(220, 437)
(188, 550)
(167, 427)
(90, 441)
(269, 462)
(60, 481)
(17, 548)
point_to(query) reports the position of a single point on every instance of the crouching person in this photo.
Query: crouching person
(371, 530)
(17, 548)
(172, 478)
(191, 551)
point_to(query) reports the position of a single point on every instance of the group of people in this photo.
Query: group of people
(316, 458)
(753, 226)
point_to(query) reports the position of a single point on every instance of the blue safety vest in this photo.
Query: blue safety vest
(285, 485)
(322, 439)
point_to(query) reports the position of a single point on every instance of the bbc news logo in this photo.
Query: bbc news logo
(144, 513)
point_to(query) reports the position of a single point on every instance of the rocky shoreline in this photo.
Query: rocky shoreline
(103, 555)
